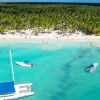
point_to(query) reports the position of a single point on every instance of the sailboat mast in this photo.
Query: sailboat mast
(12, 66)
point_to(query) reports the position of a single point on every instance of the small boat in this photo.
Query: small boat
(92, 67)
(24, 64)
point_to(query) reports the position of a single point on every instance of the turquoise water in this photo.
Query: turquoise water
(59, 71)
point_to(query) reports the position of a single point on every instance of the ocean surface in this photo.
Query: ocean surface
(59, 71)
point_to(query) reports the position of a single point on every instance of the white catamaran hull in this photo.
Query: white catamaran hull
(22, 90)
(17, 96)
(23, 64)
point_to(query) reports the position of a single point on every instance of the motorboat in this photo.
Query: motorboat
(92, 67)
(24, 63)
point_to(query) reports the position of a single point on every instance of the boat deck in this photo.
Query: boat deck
(21, 91)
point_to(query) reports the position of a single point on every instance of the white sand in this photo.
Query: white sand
(47, 36)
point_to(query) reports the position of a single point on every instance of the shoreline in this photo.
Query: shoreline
(28, 35)
(59, 37)
(47, 39)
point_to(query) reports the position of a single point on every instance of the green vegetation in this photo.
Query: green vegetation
(23, 16)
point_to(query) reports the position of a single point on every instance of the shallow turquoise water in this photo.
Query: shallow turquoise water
(59, 69)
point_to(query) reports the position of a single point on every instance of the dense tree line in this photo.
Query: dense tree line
(23, 16)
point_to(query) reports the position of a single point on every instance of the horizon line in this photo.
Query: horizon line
(53, 2)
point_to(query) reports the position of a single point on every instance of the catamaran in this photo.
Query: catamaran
(11, 90)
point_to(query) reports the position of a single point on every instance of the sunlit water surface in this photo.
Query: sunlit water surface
(59, 71)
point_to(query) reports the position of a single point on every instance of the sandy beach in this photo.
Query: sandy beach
(46, 37)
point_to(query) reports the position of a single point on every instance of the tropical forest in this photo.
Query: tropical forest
(16, 16)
